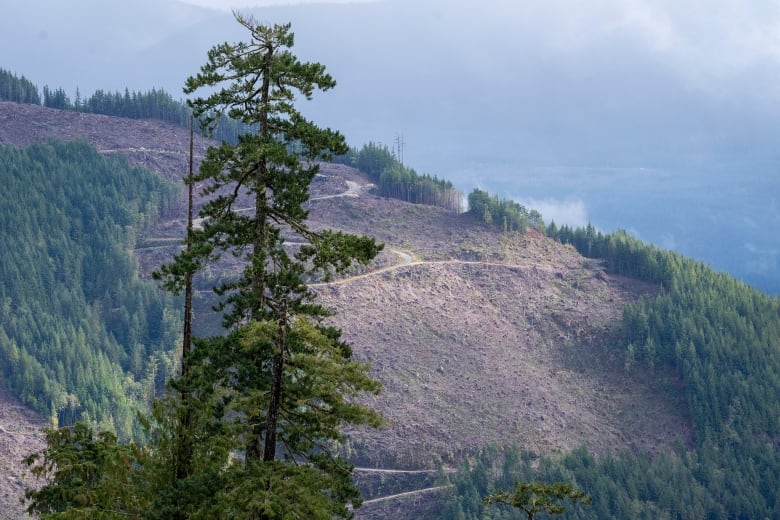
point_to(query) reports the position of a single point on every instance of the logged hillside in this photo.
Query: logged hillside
(479, 337)
(161, 147)
(484, 337)
(20, 434)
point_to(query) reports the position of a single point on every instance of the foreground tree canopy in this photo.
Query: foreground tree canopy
(251, 428)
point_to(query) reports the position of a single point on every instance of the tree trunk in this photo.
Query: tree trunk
(275, 402)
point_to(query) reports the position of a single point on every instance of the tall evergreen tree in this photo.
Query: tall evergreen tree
(284, 379)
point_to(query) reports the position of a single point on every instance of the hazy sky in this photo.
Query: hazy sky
(624, 83)
(589, 109)
(596, 83)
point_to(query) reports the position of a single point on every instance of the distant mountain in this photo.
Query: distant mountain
(479, 337)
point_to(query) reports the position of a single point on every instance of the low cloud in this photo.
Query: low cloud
(571, 212)
(763, 259)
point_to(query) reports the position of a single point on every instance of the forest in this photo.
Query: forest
(81, 337)
(394, 179)
(153, 104)
(247, 424)
(503, 214)
(18, 89)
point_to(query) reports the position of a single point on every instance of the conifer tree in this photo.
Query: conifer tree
(538, 497)
(285, 380)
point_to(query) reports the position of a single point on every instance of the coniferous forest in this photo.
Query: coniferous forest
(393, 178)
(248, 424)
(81, 337)
(17, 89)
(397, 181)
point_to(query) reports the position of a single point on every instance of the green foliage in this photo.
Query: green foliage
(91, 477)
(56, 99)
(250, 427)
(719, 334)
(538, 497)
(622, 253)
(81, 337)
(621, 485)
(153, 104)
(723, 338)
(325, 380)
(17, 89)
(400, 182)
(506, 215)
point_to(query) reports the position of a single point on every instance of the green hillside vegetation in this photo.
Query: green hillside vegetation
(81, 337)
(723, 339)
(504, 214)
(250, 425)
(153, 104)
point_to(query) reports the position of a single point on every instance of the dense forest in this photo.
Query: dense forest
(81, 337)
(18, 89)
(153, 104)
(504, 214)
(248, 426)
(723, 340)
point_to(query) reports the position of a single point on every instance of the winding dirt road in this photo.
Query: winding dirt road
(406, 494)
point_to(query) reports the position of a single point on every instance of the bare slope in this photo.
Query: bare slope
(487, 337)
(20, 434)
(477, 336)
(161, 147)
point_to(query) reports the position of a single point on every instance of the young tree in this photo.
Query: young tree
(285, 381)
(90, 476)
(537, 497)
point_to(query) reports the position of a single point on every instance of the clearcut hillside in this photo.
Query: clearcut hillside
(478, 336)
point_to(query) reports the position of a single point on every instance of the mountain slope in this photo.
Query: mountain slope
(487, 337)
(477, 336)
